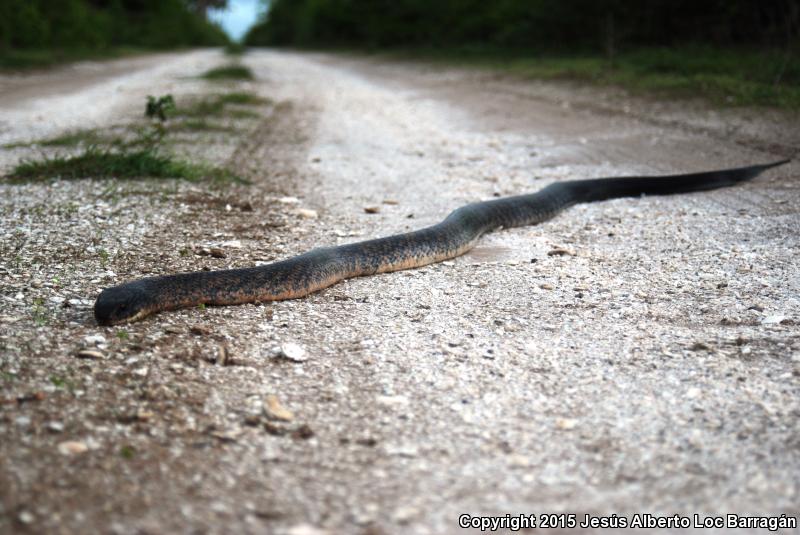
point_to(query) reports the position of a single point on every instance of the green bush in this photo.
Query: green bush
(44, 30)
(551, 25)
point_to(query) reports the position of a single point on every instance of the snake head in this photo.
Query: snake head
(122, 304)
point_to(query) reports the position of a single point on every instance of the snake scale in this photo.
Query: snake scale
(320, 268)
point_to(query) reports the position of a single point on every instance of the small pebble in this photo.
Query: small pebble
(223, 355)
(566, 423)
(22, 421)
(72, 447)
(306, 529)
(292, 351)
(391, 400)
(519, 461)
(227, 435)
(405, 514)
(95, 339)
(89, 354)
(773, 320)
(372, 209)
(276, 410)
(306, 213)
(55, 427)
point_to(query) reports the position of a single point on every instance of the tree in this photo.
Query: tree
(201, 7)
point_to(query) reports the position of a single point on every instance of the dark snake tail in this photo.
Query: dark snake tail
(320, 268)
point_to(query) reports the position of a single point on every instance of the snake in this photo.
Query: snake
(320, 268)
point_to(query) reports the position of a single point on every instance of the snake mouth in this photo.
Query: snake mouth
(122, 304)
(130, 319)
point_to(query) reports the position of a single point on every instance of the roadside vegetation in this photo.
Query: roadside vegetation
(142, 151)
(726, 77)
(69, 139)
(229, 72)
(97, 162)
(740, 52)
(38, 33)
(204, 113)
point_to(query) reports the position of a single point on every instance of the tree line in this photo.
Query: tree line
(557, 25)
(98, 24)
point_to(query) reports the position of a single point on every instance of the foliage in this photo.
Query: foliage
(733, 51)
(159, 107)
(588, 25)
(42, 30)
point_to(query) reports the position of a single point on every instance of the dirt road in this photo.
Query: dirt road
(631, 356)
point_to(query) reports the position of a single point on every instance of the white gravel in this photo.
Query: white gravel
(643, 368)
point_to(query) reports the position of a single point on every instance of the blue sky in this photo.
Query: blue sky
(238, 16)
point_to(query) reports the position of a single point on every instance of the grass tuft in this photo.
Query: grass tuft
(242, 98)
(142, 156)
(69, 139)
(72, 139)
(96, 163)
(216, 106)
(229, 72)
(199, 125)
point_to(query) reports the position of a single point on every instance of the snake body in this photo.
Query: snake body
(320, 268)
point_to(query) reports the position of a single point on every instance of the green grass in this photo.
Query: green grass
(218, 106)
(97, 163)
(39, 312)
(142, 154)
(127, 452)
(243, 114)
(197, 113)
(242, 98)
(59, 381)
(229, 72)
(198, 125)
(69, 139)
(725, 77)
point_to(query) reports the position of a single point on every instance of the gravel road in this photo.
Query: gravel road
(630, 356)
